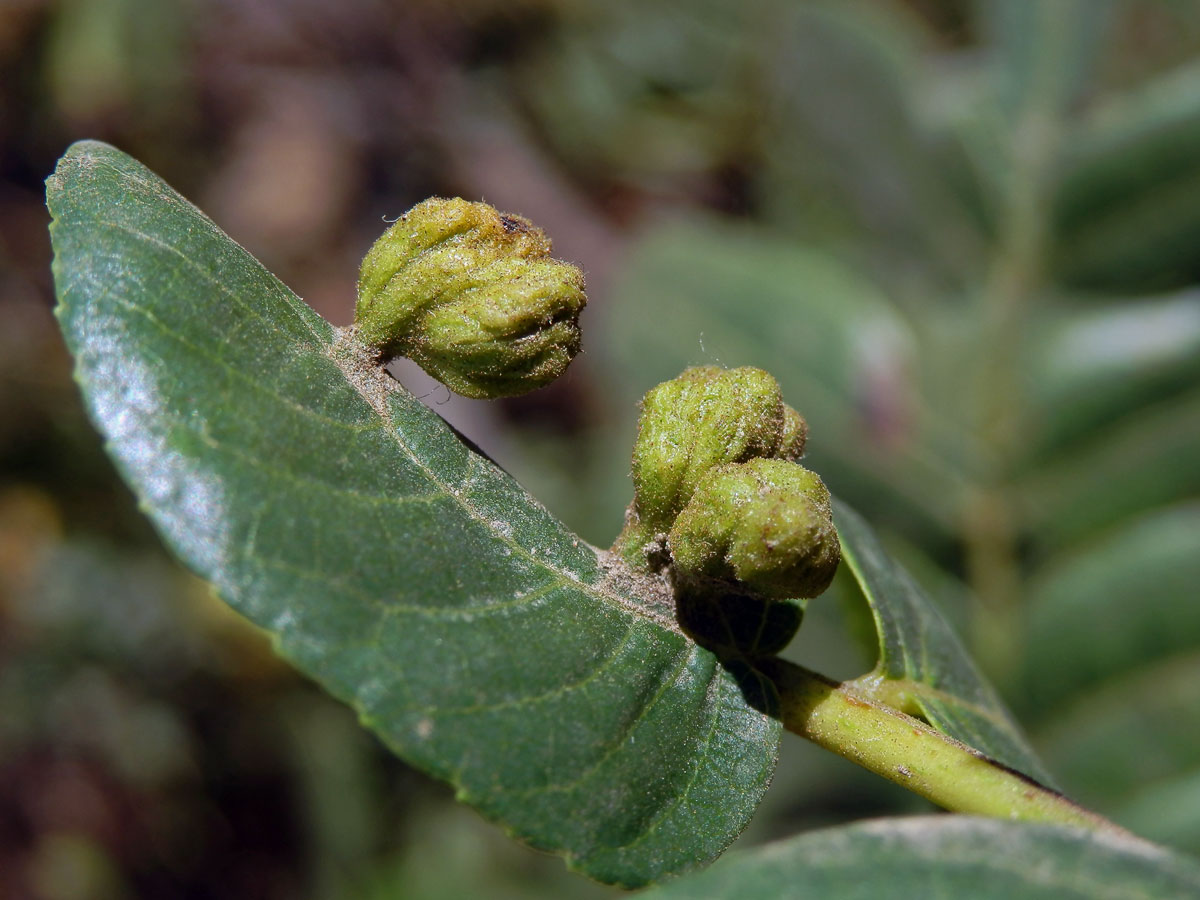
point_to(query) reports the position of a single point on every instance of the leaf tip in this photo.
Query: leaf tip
(80, 155)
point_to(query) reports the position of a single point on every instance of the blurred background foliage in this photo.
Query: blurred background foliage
(964, 235)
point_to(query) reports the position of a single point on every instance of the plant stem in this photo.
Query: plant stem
(912, 754)
(991, 523)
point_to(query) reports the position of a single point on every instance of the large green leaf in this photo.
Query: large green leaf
(923, 667)
(944, 858)
(409, 576)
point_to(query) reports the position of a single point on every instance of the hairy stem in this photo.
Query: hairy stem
(912, 754)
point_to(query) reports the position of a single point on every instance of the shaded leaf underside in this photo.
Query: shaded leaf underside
(921, 660)
(406, 574)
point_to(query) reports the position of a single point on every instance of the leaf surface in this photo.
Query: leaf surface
(923, 667)
(945, 858)
(410, 577)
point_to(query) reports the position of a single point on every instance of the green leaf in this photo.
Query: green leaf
(880, 179)
(1142, 461)
(1088, 367)
(1128, 746)
(923, 668)
(1165, 811)
(929, 858)
(410, 577)
(1124, 601)
(636, 91)
(1043, 53)
(1126, 210)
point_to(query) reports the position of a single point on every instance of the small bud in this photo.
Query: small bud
(706, 417)
(472, 296)
(766, 523)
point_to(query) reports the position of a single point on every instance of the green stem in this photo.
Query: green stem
(991, 522)
(912, 754)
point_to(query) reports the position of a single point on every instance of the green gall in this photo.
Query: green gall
(706, 417)
(766, 523)
(722, 509)
(473, 297)
(794, 436)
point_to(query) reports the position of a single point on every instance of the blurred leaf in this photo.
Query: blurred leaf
(337, 789)
(1123, 601)
(846, 153)
(108, 605)
(1044, 52)
(1140, 462)
(654, 88)
(1089, 367)
(450, 854)
(1166, 811)
(739, 296)
(406, 574)
(956, 856)
(1127, 210)
(922, 664)
(107, 56)
(69, 864)
(1126, 745)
